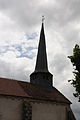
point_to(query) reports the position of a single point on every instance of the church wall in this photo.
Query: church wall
(47, 111)
(10, 109)
(18, 109)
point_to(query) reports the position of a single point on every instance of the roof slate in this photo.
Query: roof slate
(24, 89)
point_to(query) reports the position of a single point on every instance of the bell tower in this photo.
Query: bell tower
(41, 76)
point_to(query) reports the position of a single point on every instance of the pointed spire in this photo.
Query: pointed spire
(41, 76)
(41, 63)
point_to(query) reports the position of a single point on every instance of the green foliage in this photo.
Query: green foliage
(75, 59)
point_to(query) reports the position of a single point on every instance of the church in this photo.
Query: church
(37, 100)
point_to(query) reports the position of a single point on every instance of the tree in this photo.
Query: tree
(75, 59)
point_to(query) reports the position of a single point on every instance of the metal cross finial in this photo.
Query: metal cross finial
(43, 18)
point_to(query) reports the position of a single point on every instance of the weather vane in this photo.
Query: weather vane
(43, 18)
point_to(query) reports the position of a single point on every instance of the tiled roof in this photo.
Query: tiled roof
(11, 87)
(24, 89)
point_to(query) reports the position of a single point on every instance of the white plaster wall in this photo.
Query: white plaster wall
(46, 111)
(10, 109)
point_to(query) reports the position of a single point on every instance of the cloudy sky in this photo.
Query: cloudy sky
(20, 24)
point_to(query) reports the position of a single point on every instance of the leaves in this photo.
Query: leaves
(75, 60)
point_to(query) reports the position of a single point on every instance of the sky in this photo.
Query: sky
(20, 25)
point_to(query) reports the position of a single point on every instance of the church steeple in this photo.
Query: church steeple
(41, 63)
(41, 76)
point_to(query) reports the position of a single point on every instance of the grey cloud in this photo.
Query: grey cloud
(71, 37)
(9, 70)
(23, 12)
(68, 11)
(27, 13)
(60, 63)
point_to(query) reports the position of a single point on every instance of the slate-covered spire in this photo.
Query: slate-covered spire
(41, 76)
(41, 62)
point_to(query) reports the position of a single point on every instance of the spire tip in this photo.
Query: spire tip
(43, 18)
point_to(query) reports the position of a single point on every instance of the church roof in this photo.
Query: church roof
(9, 87)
